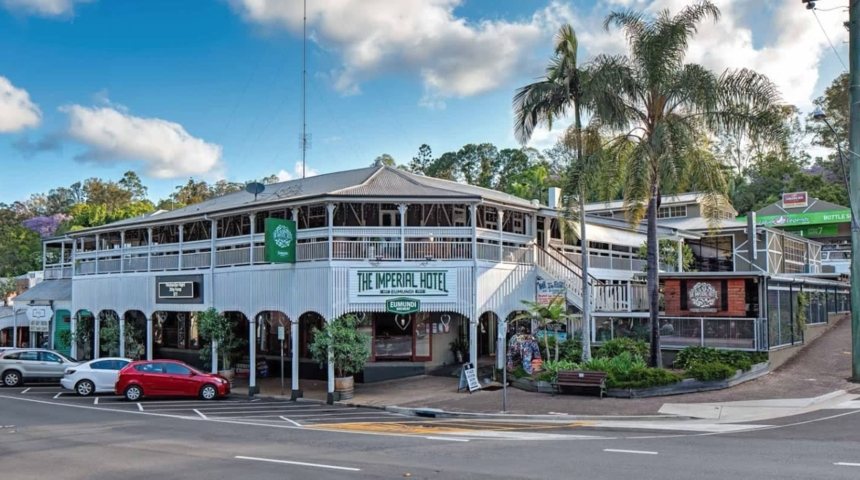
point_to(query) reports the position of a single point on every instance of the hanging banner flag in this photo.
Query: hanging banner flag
(280, 241)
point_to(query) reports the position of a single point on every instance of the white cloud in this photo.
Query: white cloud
(453, 57)
(284, 175)
(46, 8)
(790, 52)
(164, 147)
(17, 111)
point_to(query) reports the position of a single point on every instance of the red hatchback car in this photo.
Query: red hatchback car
(168, 378)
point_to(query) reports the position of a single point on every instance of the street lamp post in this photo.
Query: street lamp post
(854, 187)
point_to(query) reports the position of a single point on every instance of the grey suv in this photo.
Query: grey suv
(18, 366)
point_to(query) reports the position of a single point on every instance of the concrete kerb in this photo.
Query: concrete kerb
(550, 418)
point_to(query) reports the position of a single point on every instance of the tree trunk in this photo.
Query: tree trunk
(586, 286)
(653, 277)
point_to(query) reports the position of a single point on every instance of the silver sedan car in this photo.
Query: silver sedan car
(28, 364)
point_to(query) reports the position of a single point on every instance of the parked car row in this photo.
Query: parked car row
(131, 379)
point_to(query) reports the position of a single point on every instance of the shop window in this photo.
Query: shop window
(712, 254)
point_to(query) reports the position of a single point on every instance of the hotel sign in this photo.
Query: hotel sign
(179, 289)
(280, 241)
(368, 285)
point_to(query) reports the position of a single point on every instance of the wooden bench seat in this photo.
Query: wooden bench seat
(579, 379)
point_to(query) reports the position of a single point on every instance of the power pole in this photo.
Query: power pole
(854, 191)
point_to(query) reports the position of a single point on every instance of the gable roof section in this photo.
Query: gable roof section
(815, 205)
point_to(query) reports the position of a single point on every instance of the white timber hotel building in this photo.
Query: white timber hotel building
(373, 241)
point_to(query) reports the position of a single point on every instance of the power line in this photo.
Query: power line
(835, 52)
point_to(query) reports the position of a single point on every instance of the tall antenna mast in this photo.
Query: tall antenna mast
(304, 86)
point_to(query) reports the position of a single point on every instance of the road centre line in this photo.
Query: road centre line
(639, 452)
(209, 407)
(303, 464)
(274, 410)
(847, 464)
(291, 421)
(350, 419)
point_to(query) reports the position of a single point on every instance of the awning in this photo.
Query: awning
(49, 290)
(9, 320)
(614, 236)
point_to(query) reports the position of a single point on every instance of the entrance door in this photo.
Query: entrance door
(422, 347)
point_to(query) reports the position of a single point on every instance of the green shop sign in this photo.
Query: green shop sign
(403, 305)
(280, 241)
(813, 218)
(813, 231)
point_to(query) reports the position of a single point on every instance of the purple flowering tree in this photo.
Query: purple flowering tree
(45, 226)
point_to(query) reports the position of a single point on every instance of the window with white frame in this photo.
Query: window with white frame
(795, 255)
(672, 212)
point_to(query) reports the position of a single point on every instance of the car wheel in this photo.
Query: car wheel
(85, 388)
(133, 393)
(208, 392)
(11, 378)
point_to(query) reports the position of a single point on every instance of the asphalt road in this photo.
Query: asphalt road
(66, 437)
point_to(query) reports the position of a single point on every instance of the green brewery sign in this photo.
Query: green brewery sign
(402, 305)
(796, 219)
(280, 241)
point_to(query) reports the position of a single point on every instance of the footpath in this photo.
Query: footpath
(817, 374)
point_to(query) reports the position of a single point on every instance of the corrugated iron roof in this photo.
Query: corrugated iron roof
(49, 290)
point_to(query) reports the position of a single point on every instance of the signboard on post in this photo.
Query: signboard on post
(280, 241)
(549, 291)
(281, 332)
(795, 200)
(40, 318)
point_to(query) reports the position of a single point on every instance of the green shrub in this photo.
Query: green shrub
(571, 349)
(711, 371)
(643, 378)
(627, 370)
(689, 356)
(614, 347)
(545, 376)
(519, 372)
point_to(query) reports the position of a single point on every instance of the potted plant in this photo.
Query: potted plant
(459, 348)
(214, 326)
(349, 351)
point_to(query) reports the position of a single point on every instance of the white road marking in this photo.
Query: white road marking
(26, 390)
(201, 414)
(96, 401)
(448, 439)
(846, 464)
(139, 406)
(291, 421)
(640, 452)
(58, 395)
(303, 464)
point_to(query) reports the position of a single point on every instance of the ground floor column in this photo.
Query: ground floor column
(149, 337)
(252, 356)
(330, 376)
(96, 334)
(473, 340)
(73, 344)
(121, 320)
(296, 393)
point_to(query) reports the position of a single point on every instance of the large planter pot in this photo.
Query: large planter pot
(345, 387)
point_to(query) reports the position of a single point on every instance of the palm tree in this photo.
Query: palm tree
(564, 87)
(663, 111)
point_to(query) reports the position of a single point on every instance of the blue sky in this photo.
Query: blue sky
(211, 88)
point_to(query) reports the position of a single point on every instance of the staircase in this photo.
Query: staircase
(604, 297)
